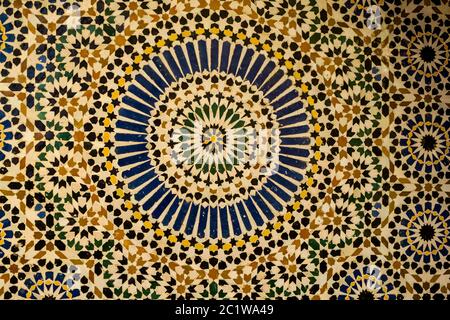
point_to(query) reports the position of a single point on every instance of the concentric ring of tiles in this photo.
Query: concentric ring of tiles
(287, 128)
(289, 114)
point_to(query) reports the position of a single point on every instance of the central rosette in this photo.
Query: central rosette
(212, 138)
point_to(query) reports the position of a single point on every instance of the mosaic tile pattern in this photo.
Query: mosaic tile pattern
(99, 100)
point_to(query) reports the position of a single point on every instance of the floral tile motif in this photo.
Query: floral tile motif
(224, 149)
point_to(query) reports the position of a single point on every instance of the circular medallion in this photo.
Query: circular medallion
(212, 138)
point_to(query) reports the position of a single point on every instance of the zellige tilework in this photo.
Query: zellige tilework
(213, 149)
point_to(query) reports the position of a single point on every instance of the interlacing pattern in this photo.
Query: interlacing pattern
(256, 149)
